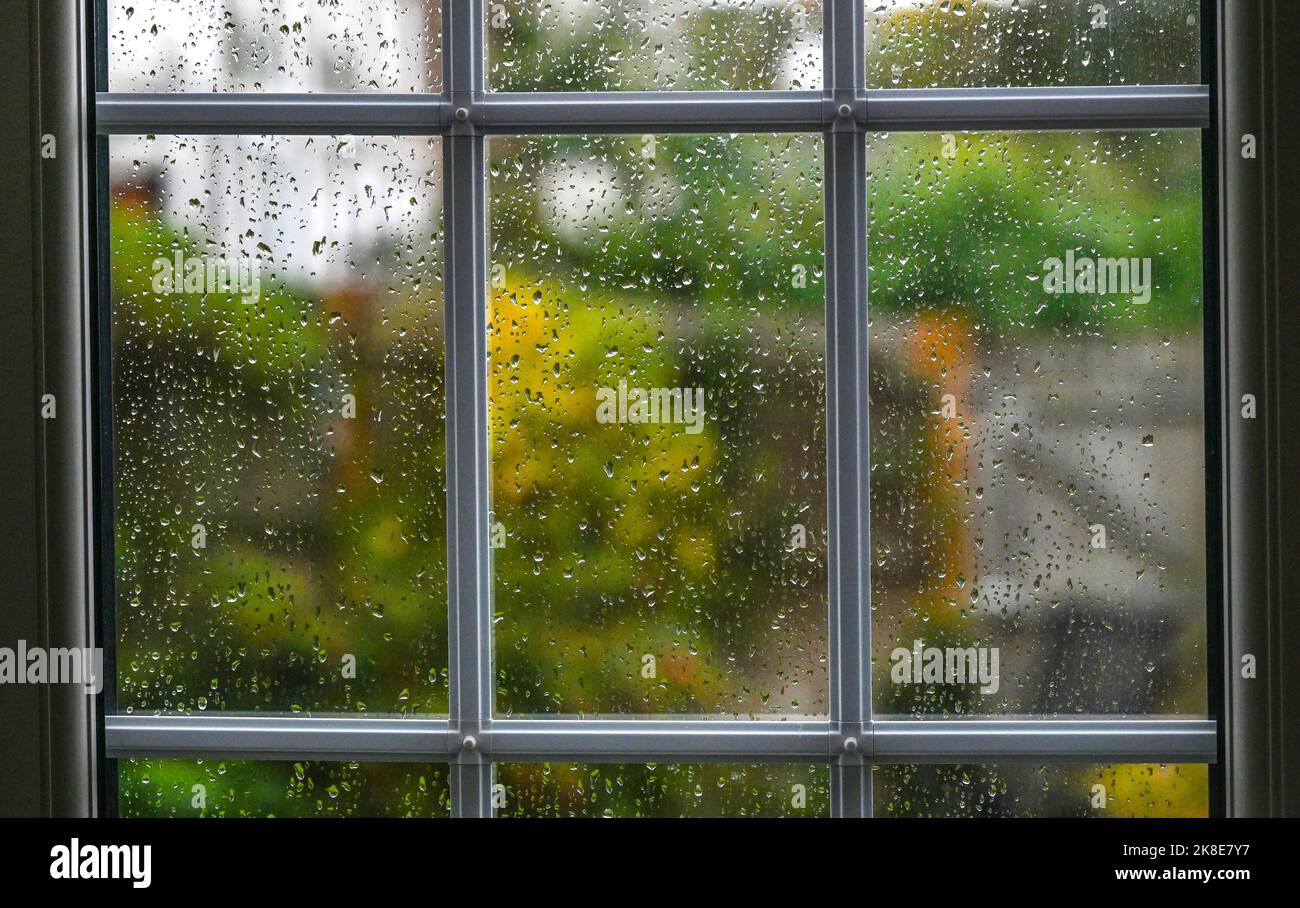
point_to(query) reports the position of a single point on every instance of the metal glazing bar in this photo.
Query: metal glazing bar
(469, 572)
(468, 556)
(1049, 740)
(651, 111)
(844, 50)
(631, 740)
(471, 788)
(849, 498)
(271, 114)
(851, 787)
(1061, 107)
(657, 740)
(847, 417)
(882, 110)
(281, 737)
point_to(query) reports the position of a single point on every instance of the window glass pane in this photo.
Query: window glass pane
(278, 424)
(1025, 790)
(657, 394)
(998, 43)
(305, 788)
(612, 45)
(1038, 466)
(552, 790)
(273, 45)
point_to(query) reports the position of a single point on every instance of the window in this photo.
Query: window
(748, 408)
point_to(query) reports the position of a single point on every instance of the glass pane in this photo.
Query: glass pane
(657, 394)
(613, 45)
(271, 45)
(998, 43)
(278, 421)
(1038, 464)
(1023, 790)
(221, 788)
(551, 790)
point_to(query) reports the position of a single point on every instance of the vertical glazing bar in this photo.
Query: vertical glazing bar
(844, 67)
(471, 787)
(851, 787)
(468, 567)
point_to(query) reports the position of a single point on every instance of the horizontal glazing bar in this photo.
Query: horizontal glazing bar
(658, 740)
(1061, 107)
(270, 114)
(881, 110)
(280, 737)
(1060, 741)
(653, 111)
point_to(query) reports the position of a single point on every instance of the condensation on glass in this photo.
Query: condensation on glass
(657, 403)
(623, 45)
(275, 45)
(554, 790)
(656, 392)
(1036, 790)
(1009, 43)
(279, 465)
(301, 788)
(1038, 423)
